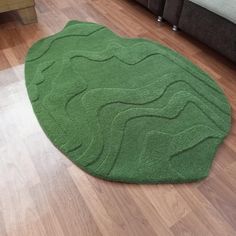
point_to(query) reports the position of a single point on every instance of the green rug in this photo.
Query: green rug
(126, 110)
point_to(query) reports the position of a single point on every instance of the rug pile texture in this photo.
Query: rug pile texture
(126, 110)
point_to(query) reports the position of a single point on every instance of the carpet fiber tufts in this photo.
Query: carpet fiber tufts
(125, 110)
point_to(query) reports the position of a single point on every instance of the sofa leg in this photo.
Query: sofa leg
(27, 15)
(175, 28)
(159, 18)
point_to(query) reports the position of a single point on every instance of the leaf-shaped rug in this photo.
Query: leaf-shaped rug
(123, 109)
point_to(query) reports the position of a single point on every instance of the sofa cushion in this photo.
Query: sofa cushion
(226, 9)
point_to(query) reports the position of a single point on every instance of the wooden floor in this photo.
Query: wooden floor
(43, 193)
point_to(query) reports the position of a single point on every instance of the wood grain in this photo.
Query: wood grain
(43, 193)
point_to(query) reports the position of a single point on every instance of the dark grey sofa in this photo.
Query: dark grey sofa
(207, 21)
(155, 6)
(212, 29)
(172, 11)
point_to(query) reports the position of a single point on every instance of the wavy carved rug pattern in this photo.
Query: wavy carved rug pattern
(124, 109)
